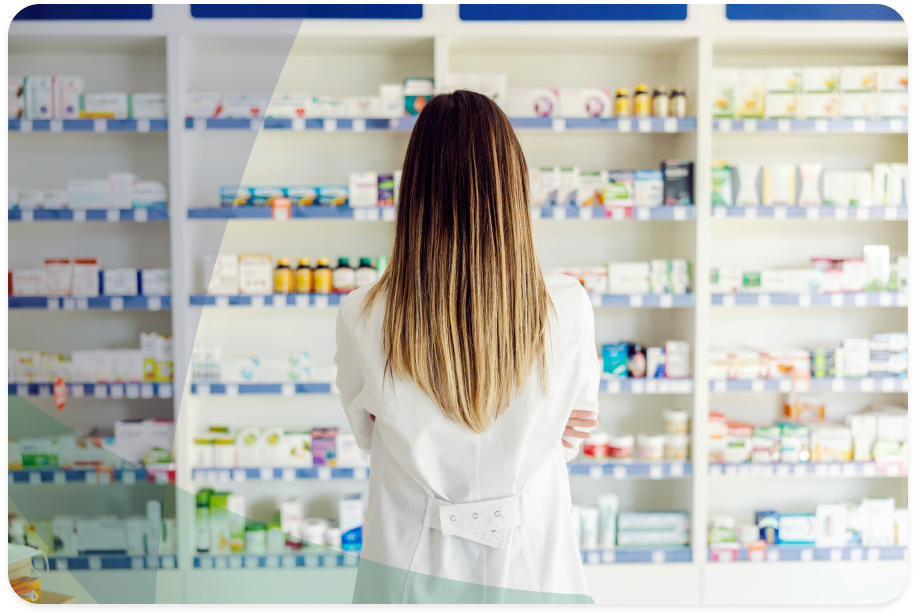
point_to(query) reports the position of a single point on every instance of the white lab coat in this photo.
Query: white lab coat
(468, 514)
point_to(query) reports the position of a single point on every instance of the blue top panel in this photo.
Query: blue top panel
(572, 12)
(307, 11)
(812, 12)
(87, 12)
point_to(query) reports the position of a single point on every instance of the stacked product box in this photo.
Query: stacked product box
(753, 184)
(364, 189)
(84, 277)
(209, 366)
(46, 98)
(657, 276)
(248, 447)
(813, 92)
(878, 433)
(875, 270)
(632, 360)
(670, 185)
(223, 528)
(606, 527)
(152, 362)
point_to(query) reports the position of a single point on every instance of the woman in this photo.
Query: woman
(460, 370)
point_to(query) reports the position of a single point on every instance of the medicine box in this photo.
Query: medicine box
(155, 281)
(364, 106)
(784, 80)
(620, 189)
(255, 275)
(243, 105)
(821, 79)
(38, 98)
(627, 278)
(163, 358)
(122, 281)
(289, 105)
(678, 177)
(783, 106)
(893, 78)
(350, 518)
(533, 103)
(203, 105)
(817, 106)
(324, 446)
(30, 199)
(28, 283)
(724, 92)
(297, 449)
(391, 100)
(239, 370)
(55, 199)
(333, 106)
(147, 105)
(122, 185)
(585, 103)
(648, 187)
(15, 101)
(859, 105)
(796, 528)
(66, 94)
(85, 194)
(750, 93)
(148, 348)
(363, 189)
(221, 274)
(893, 105)
(858, 79)
(112, 105)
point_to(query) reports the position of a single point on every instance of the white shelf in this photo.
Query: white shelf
(824, 212)
(809, 469)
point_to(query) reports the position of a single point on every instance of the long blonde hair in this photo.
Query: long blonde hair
(466, 305)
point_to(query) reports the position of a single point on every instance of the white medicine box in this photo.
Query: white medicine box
(122, 282)
(221, 274)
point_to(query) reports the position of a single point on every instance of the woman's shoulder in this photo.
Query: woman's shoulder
(352, 304)
(565, 290)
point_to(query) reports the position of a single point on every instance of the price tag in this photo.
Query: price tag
(725, 556)
(77, 391)
(731, 470)
(223, 476)
(858, 126)
(800, 470)
(849, 470)
(680, 212)
(302, 301)
(820, 126)
(117, 391)
(112, 215)
(651, 386)
(44, 391)
(267, 474)
(892, 470)
(820, 470)
(389, 214)
(359, 214)
(855, 554)
(100, 126)
(79, 215)
(779, 213)
(324, 473)
(288, 389)
(804, 300)
(837, 300)
(750, 126)
(863, 213)
(596, 471)
(255, 124)
(278, 301)
(896, 126)
(812, 213)
(288, 561)
(235, 562)
(232, 389)
(597, 299)
(670, 125)
(613, 387)
(867, 385)
(836, 554)
(834, 470)
(664, 387)
(330, 125)
(772, 553)
(91, 478)
(200, 124)
(372, 214)
(116, 304)
(757, 385)
(240, 475)
(644, 125)
(143, 126)
(728, 300)
(618, 213)
(559, 213)
(665, 300)
(559, 124)
(620, 471)
(888, 385)
(608, 556)
(636, 300)
(140, 215)
(360, 473)
(750, 213)
(203, 389)
(154, 303)
(592, 557)
(643, 213)
(783, 126)
(719, 212)
(535, 213)
(890, 213)
(874, 554)
(658, 556)
(257, 301)
(719, 386)
(128, 478)
(289, 474)
(676, 469)
(27, 216)
(298, 124)
(885, 299)
(101, 391)
(807, 554)
(764, 469)
(359, 125)
(869, 469)
(320, 301)
(104, 478)
(763, 300)
(901, 299)
(637, 386)
(585, 213)
(785, 385)
(860, 299)
(624, 125)
(841, 213)
(725, 126)
(715, 470)
(838, 385)
(222, 301)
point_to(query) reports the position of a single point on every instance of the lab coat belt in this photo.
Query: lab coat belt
(481, 516)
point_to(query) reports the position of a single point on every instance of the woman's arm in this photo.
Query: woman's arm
(351, 383)
(585, 415)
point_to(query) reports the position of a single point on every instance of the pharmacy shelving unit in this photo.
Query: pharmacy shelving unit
(346, 56)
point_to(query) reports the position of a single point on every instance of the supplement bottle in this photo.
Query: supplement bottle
(283, 277)
(660, 102)
(365, 273)
(641, 101)
(344, 276)
(321, 279)
(622, 103)
(304, 276)
(678, 102)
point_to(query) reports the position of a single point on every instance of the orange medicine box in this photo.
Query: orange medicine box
(28, 588)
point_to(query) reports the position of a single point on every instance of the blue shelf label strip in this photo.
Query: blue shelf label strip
(829, 212)
(254, 561)
(632, 469)
(307, 11)
(875, 383)
(332, 299)
(217, 389)
(660, 554)
(93, 215)
(88, 126)
(889, 125)
(95, 390)
(91, 303)
(56, 475)
(811, 12)
(836, 300)
(646, 301)
(780, 552)
(572, 12)
(85, 12)
(222, 475)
